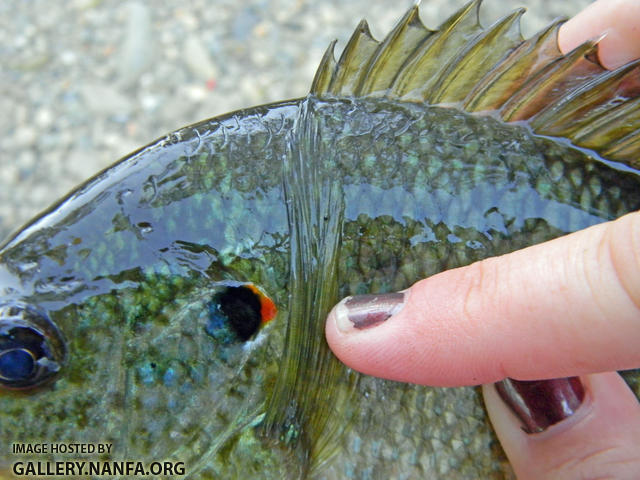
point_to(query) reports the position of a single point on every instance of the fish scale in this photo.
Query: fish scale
(353, 189)
(377, 249)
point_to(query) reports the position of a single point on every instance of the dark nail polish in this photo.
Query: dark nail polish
(362, 311)
(541, 403)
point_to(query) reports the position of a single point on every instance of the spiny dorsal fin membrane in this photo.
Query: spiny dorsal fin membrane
(495, 69)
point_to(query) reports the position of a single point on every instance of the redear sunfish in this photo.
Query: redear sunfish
(173, 306)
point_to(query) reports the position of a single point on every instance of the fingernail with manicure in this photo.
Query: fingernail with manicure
(364, 311)
(541, 403)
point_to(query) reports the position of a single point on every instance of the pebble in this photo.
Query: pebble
(105, 99)
(136, 52)
(43, 118)
(24, 136)
(198, 59)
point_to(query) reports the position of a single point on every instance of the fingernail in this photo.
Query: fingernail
(541, 403)
(364, 311)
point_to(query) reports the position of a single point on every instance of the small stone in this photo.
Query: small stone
(68, 57)
(187, 19)
(136, 52)
(198, 59)
(105, 99)
(195, 93)
(25, 136)
(149, 102)
(43, 118)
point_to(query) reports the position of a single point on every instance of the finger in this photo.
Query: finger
(596, 437)
(617, 19)
(565, 307)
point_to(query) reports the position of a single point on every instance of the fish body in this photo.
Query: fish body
(120, 305)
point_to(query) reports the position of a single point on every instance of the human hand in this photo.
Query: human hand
(567, 307)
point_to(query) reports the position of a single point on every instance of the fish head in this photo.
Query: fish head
(119, 325)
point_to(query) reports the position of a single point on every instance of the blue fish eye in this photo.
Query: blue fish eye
(32, 349)
(16, 364)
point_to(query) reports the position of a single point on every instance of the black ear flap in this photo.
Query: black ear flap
(236, 312)
(242, 308)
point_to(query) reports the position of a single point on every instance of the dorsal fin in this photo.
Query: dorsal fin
(354, 60)
(495, 69)
(387, 60)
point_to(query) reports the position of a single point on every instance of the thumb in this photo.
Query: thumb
(598, 436)
(566, 307)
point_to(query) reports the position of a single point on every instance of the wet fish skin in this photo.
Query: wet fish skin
(406, 223)
(121, 289)
(310, 200)
(206, 205)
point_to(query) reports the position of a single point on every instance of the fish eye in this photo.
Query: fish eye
(236, 313)
(31, 347)
(16, 364)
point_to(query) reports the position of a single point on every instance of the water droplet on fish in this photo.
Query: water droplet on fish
(27, 266)
(123, 194)
(145, 228)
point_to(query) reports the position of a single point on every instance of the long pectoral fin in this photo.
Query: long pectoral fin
(309, 406)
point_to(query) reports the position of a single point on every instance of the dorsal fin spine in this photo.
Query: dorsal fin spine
(353, 61)
(322, 78)
(590, 95)
(491, 92)
(617, 121)
(522, 102)
(451, 81)
(624, 148)
(421, 68)
(494, 69)
(405, 37)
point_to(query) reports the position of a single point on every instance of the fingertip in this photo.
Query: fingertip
(346, 342)
(409, 336)
(334, 334)
(616, 21)
(354, 331)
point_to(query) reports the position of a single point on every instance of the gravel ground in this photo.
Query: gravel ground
(83, 82)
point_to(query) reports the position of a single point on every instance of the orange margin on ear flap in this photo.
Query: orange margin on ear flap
(268, 309)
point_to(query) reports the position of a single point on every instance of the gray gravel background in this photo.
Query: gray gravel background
(84, 82)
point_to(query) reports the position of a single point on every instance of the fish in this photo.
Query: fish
(172, 307)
